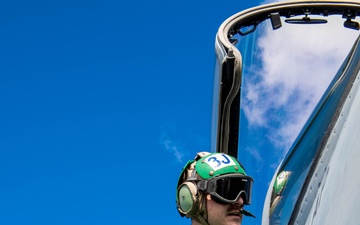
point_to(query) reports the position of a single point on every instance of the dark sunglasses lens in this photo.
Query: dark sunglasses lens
(230, 187)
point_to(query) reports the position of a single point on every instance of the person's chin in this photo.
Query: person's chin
(233, 219)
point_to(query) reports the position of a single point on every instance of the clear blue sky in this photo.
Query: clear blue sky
(96, 96)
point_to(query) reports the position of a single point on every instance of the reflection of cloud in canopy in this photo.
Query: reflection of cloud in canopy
(298, 63)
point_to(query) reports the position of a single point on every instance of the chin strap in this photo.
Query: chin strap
(202, 220)
(201, 216)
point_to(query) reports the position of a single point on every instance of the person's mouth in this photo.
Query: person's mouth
(234, 213)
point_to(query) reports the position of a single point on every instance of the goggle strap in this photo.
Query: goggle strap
(202, 185)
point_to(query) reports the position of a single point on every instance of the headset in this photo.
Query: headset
(188, 199)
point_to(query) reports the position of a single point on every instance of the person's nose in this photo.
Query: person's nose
(240, 200)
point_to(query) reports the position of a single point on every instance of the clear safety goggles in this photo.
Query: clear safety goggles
(228, 188)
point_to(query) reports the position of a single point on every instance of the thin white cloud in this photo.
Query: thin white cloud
(172, 147)
(183, 142)
(169, 142)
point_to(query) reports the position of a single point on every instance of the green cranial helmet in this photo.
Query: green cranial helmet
(217, 174)
(216, 164)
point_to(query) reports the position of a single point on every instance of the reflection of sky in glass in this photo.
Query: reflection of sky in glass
(285, 73)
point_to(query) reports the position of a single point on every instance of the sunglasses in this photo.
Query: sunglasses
(228, 188)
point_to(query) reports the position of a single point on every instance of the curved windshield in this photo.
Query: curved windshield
(290, 61)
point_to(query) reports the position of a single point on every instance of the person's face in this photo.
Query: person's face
(219, 214)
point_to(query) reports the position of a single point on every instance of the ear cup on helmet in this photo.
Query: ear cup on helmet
(187, 198)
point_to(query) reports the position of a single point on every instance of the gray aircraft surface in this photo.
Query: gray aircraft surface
(296, 46)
